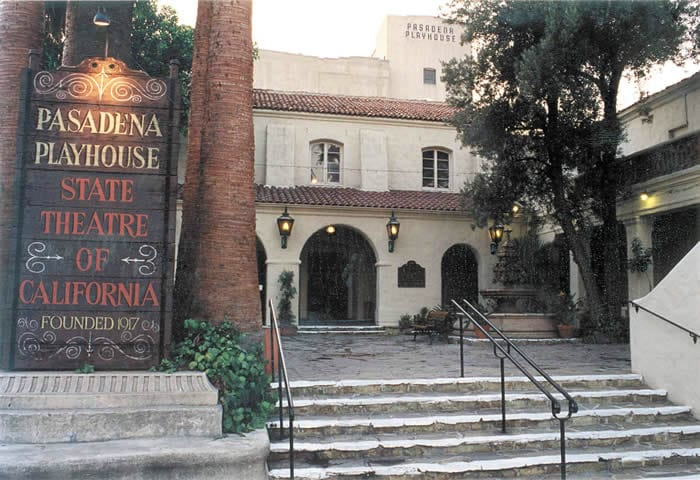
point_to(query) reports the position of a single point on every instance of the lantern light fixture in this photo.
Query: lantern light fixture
(496, 235)
(515, 208)
(392, 230)
(285, 223)
(314, 178)
(644, 196)
(101, 19)
(330, 230)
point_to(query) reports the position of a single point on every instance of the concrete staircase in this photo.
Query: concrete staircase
(442, 429)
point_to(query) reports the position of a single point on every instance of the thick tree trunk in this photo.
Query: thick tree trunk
(185, 302)
(224, 270)
(84, 39)
(21, 29)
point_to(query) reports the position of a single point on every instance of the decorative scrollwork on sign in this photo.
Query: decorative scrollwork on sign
(81, 85)
(24, 323)
(150, 326)
(124, 90)
(150, 254)
(30, 345)
(75, 85)
(106, 348)
(34, 264)
(142, 345)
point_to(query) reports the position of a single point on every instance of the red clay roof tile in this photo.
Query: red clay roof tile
(352, 197)
(354, 106)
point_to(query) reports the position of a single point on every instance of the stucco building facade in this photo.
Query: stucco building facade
(347, 143)
(344, 144)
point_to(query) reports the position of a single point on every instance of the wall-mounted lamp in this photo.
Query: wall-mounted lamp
(515, 208)
(392, 230)
(285, 223)
(644, 196)
(496, 235)
(330, 229)
(102, 20)
(314, 178)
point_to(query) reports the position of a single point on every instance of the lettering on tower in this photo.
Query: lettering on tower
(438, 32)
(96, 217)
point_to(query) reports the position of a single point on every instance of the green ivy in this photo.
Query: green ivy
(640, 258)
(85, 368)
(234, 365)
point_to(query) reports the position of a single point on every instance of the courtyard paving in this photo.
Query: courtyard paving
(360, 356)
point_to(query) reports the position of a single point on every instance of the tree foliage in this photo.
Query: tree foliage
(537, 101)
(156, 38)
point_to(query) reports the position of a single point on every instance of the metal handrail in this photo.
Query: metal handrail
(692, 334)
(281, 365)
(506, 353)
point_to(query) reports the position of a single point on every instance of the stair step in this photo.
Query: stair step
(412, 447)
(165, 458)
(95, 425)
(502, 467)
(347, 329)
(456, 402)
(345, 387)
(326, 427)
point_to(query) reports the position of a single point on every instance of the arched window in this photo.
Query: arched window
(436, 168)
(325, 161)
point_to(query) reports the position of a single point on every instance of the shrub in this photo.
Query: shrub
(287, 293)
(405, 322)
(234, 365)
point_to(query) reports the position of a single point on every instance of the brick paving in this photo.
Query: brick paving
(359, 356)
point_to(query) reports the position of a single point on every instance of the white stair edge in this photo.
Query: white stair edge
(482, 465)
(524, 438)
(341, 327)
(456, 381)
(456, 419)
(432, 400)
(346, 332)
(554, 340)
(680, 477)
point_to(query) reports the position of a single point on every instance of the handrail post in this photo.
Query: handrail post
(272, 351)
(276, 342)
(503, 395)
(279, 387)
(562, 440)
(291, 447)
(461, 346)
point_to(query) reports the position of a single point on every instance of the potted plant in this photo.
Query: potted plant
(287, 293)
(566, 314)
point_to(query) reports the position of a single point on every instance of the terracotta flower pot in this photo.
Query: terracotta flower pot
(566, 331)
(479, 334)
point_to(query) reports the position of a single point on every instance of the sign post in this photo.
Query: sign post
(96, 217)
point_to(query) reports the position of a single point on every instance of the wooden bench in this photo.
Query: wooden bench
(437, 322)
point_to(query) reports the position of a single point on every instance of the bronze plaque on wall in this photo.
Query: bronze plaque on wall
(411, 275)
(97, 184)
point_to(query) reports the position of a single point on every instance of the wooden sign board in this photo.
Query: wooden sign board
(97, 187)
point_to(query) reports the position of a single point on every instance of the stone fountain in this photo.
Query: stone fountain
(513, 306)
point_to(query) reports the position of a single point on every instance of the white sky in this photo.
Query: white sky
(343, 28)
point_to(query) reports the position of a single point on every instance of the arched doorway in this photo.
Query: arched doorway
(460, 274)
(337, 280)
(262, 274)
